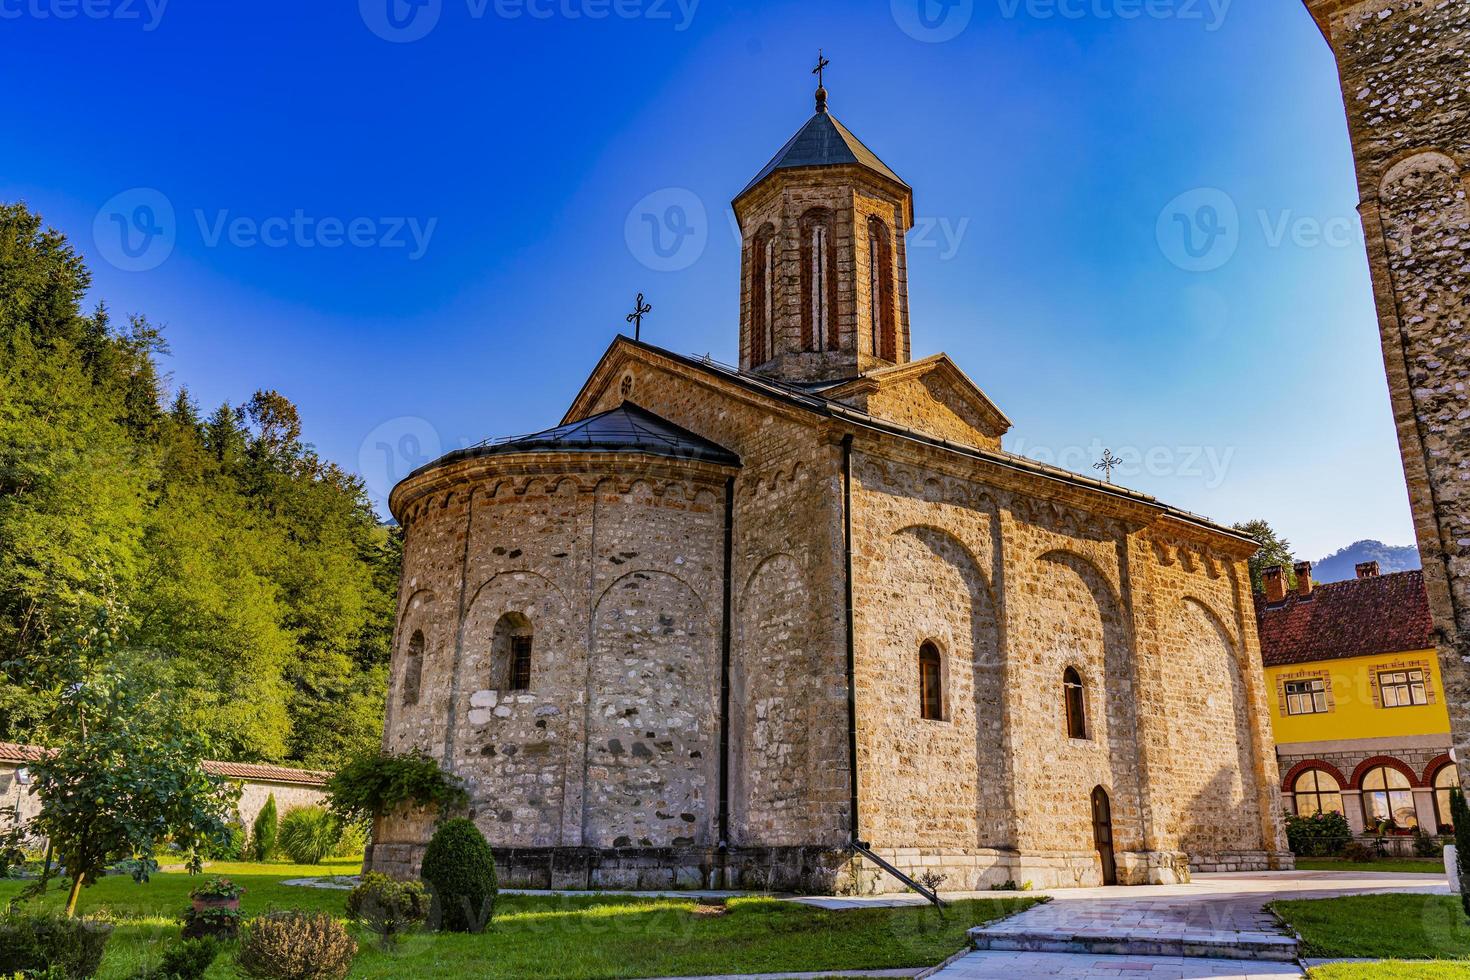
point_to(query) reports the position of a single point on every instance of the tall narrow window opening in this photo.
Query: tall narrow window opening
(510, 654)
(413, 668)
(819, 331)
(1076, 698)
(884, 339)
(931, 683)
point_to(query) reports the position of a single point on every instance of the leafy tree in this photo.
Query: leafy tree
(1460, 817)
(130, 777)
(1273, 550)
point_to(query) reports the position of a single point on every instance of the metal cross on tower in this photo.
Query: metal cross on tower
(636, 317)
(821, 89)
(1107, 464)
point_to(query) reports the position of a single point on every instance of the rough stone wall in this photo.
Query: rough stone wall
(12, 794)
(615, 563)
(788, 727)
(288, 796)
(1404, 77)
(927, 403)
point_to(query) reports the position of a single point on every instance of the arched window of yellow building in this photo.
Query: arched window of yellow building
(1317, 792)
(1445, 780)
(1387, 795)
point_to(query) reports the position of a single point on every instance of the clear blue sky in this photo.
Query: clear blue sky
(1045, 141)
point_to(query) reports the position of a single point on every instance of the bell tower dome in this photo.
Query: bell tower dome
(823, 271)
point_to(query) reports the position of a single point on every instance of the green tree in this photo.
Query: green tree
(1272, 550)
(128, 776)
(263, 833)
(1460, 817)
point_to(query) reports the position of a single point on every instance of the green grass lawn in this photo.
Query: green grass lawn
(573, 938)
(1391, 970)
(1409, 927)
(1423, 866)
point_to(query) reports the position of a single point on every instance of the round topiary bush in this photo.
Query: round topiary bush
(460, 872)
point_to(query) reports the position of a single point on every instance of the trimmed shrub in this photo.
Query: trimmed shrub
(231, 848)
(39, 942)
(295, 945)
(388, 907)
(188, 959)
(308, 834)
(1460, 817)
(1320, 835)
(1425, 845)
(460, 872)
(263, 833)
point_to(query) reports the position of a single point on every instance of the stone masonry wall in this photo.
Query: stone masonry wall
(1404, 75)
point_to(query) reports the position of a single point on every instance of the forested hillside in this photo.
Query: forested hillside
(248, 576)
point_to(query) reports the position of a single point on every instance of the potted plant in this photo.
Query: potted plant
(217, 893)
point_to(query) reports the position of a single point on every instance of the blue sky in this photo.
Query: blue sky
(425, 242)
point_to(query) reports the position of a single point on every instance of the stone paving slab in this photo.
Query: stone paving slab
(913, 972)
(1085, 966)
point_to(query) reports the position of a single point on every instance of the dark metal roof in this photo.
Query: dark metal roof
(625, 429)
(823, 142)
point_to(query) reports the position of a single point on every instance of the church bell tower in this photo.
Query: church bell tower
(823, 270)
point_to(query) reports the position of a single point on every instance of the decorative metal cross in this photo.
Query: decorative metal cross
(1107, 463)
(821, 63)
(636, 317)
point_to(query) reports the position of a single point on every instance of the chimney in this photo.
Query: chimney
(1367, 569)
(1274, 578)
(1303, 571)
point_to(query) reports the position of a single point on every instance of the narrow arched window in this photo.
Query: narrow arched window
(1075, 696)
(884, 339)
(413, 668)
(763, 297)
(510, 649)
(931, 683)
(818, 282)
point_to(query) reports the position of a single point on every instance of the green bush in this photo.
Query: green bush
(1460, 817)
(353, 840)
(295, 945)
(309, 834)
(231, 847)
(387, 907)
(460, 872)
(263, 833)
(1360, 852)
(40, 942)
(374, 784)
(1425, 845)
(1320, 835)
(188, 959)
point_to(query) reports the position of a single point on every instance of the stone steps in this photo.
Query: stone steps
(1217, 945)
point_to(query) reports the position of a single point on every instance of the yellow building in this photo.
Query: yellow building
(1357, 703)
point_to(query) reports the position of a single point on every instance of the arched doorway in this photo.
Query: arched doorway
(1102, 834)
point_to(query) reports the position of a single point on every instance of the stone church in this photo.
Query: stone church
(722, 622)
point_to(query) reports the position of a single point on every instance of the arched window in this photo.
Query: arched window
(1388, 795)
(931, 683)
(413, 668)
(1317, 791)
(818, 282)
(510, 654)
(880, 290)
(1446, 779)
(763, 297)
(1076, 698)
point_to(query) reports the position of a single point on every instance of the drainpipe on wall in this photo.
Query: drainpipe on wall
(725, 631)
(852, 742)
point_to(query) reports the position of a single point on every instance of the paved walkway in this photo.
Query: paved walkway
(1216, 926)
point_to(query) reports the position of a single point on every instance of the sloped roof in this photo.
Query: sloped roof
(1357, 618)
(14, 752)
(823, 142)
(625, 429)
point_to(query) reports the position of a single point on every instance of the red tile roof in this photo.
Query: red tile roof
(1357, 618)
(251, 771)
